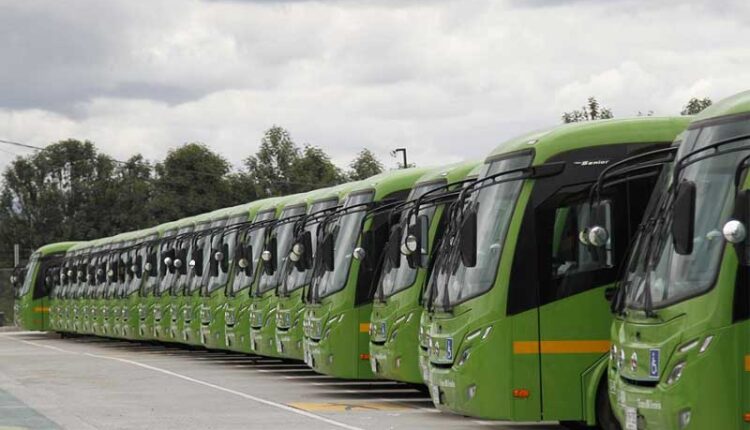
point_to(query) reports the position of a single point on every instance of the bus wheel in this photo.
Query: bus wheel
(604, 415)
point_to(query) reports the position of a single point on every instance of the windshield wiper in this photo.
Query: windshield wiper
(685, 160)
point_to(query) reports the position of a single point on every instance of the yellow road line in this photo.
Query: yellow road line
(348, 407)
(561, 346)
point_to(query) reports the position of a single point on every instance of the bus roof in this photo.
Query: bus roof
(388, 182)
(451, 172)
(552, 141)
(734, 105)
(54, 248)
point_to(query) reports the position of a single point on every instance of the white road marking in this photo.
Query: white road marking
(54, 348)
(230, 391)
(204, 383)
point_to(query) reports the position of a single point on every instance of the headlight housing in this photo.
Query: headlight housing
(676, 372)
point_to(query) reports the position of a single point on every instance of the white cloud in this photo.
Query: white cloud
(449, 80)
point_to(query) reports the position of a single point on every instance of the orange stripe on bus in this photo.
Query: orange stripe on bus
(561, 346)
(364, 327)
(747, 363)
(43, 309)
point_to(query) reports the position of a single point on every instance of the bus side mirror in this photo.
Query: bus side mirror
(301, 252)
(326, 250)
(468, 239)
(364, 253)
(269, 257)
(683, 222)
(417, 242)
(735, 230)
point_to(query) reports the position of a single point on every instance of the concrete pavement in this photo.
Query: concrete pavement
(91, 383)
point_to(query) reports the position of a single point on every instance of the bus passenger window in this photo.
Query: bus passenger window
(571, 256)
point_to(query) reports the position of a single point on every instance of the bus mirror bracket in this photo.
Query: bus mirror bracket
(468, 240)
(683, 223)
(735, 230)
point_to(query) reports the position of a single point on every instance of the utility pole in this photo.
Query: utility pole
(403, 151)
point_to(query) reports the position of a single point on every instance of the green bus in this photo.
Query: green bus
(251, 239)
(171, 267)
(32, 298)
(129, 300)
(397, 306)
(221, 270)
(297, 273)
(153, 268)
(337, 314)
(679, 355)
(274, 257)
(517, 327)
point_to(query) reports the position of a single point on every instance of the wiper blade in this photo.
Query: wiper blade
(630, 169)
(686, 160)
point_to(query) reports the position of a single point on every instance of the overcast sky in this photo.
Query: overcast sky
(449, 80)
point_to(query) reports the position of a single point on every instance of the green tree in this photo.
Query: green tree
(695, 106)
(591, 111)
(191, 180)
(66, 191)
(271, 168)
(315, 170)
(281, 168)
(134, 186)
(364, 166)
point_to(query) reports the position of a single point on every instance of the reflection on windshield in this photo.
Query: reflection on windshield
(345, 232)
(219, 239)
(494, 205)
(395, 279)
(654, 263)
(26, 287)
(253, 237)
(284, 234)
(296, 279)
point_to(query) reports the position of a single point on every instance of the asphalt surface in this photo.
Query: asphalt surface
(90, 383)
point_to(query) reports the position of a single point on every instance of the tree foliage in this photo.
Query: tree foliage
(71, 191)
(590, 111)
(364, 166)
(695, 106)
(281, 168)
(191, 180)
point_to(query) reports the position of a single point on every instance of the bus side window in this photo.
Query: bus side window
(569, 254)
(569, 266)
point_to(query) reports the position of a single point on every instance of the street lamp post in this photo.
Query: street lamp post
(403, 151)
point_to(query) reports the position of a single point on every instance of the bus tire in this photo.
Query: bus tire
(605, 417)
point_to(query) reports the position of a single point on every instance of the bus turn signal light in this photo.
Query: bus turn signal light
(521, 393)
(746, 417)
(364, 356)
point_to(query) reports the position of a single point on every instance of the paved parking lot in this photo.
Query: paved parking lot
(88, 383)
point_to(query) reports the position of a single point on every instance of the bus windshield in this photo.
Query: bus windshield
(29, 278)
(494, 205)
(398, 278)
(654, 264)
(284, 233)
(296, 279)
(345, 232)
(253, 237)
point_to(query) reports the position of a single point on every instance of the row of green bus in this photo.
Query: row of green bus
(594, 273)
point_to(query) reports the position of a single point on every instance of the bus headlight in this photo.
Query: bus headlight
(706, 343)
(464, 356)
(676, 373)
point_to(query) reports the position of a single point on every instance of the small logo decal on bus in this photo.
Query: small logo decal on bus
(449, 348)
(653, 363)
(585, 163)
